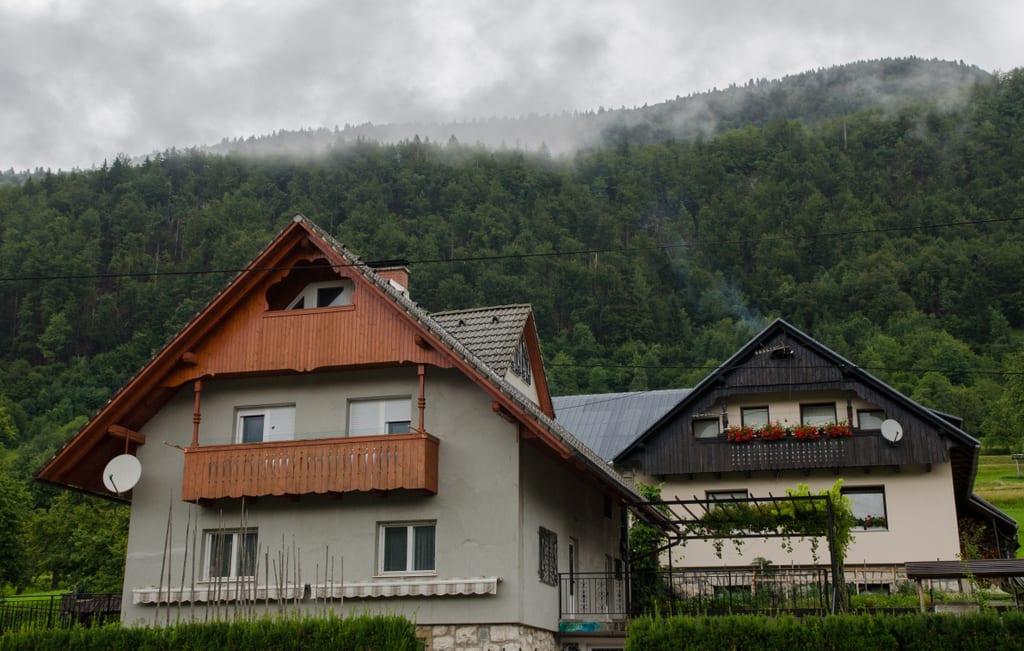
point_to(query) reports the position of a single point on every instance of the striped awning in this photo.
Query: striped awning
(242, 590)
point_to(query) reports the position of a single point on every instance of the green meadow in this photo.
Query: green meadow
(998, 482)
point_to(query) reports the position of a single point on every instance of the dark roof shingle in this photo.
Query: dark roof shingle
(492, 333)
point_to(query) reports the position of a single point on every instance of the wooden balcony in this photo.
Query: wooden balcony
(316, 466)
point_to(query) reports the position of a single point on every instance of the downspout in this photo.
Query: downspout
(628, 578)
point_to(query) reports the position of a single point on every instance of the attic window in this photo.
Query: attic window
(521, 361)
(308, 285)
(330, 293)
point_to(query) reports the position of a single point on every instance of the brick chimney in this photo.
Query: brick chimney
(396, 270)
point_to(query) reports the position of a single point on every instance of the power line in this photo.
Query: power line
(705, 367)
(542, 254)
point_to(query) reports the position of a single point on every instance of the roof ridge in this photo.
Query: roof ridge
(507, 306)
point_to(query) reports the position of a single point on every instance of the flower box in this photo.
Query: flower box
(740, 434)
(837, 430)
(873, 522)
(772, 432)
(807, 432)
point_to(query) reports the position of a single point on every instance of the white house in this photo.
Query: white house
(313, 441)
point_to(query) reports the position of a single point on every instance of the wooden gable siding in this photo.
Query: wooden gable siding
(253, 339)
(760, 377)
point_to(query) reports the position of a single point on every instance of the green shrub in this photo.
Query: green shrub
(363, 633)
(927, 632)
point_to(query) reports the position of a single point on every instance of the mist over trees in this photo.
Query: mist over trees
(894, 235)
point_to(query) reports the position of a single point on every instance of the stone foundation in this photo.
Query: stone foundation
(486, 637)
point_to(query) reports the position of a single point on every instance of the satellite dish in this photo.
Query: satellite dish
(892, 431)
(122, 473)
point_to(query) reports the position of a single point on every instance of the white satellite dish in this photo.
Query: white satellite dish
(122, 473)
(892, 431)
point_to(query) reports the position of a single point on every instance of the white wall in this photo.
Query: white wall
(919, 503)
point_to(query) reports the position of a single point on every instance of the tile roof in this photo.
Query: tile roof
(608, 422)
(492, 333)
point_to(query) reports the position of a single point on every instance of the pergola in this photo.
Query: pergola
(689, 520)
(992, 568)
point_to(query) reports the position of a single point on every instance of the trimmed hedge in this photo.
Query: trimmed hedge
(363, 633)
(927, 632)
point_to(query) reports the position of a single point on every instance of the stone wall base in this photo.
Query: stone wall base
(486, 637)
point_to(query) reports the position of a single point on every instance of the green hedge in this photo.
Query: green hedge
(986, 630)
(364, 633)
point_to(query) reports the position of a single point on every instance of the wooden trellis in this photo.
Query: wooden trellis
(685, 520)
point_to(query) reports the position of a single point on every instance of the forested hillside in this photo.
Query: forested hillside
(809, 96)
(895, 237)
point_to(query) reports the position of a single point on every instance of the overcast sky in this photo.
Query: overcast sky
(84, 80)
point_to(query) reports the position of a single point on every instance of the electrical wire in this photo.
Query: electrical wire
(523, 256)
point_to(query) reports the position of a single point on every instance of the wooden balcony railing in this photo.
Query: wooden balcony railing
(316, 466)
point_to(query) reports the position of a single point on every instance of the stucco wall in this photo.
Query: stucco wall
(476, 508)
(574, 509)
(919, 503)
(785, 407)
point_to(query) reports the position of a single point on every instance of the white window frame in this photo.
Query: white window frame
(720, 495)
(860, 510)
(236, 535)
(871, 413)
(410, 547)
(807, 418)
(278, 423)
(752, 410)
(379, 416)
(700, 432)
(309, 295)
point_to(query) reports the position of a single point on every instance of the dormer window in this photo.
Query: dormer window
(521, 361)
(330, 293)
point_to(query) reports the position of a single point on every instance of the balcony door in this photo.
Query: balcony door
(572, 606)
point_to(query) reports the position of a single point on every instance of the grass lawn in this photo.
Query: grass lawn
(997, 482)
(29, 596)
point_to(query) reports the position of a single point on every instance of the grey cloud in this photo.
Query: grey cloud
(82, 81)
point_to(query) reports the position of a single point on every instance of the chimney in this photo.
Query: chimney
(397, 271)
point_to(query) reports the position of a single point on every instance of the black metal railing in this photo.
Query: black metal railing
(51, 611)
(742, 590)
(595, 596)
(605, 597)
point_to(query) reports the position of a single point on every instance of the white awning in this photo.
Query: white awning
(480, 585)
(241, 590)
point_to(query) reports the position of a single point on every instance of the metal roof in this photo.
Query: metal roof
(608, 422)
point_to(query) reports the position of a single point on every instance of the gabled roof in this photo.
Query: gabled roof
(961, 448)
(492, 333)
(944, 423)
(608, 422)
(111, 430)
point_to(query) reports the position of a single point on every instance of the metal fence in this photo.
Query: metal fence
(606, 597)
(743, 590)
(51, 611)
(593, 596)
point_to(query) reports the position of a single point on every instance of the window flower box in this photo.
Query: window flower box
(772, 432)
(806, 432)
(837, 430)
(873, 522)
(740, 434)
